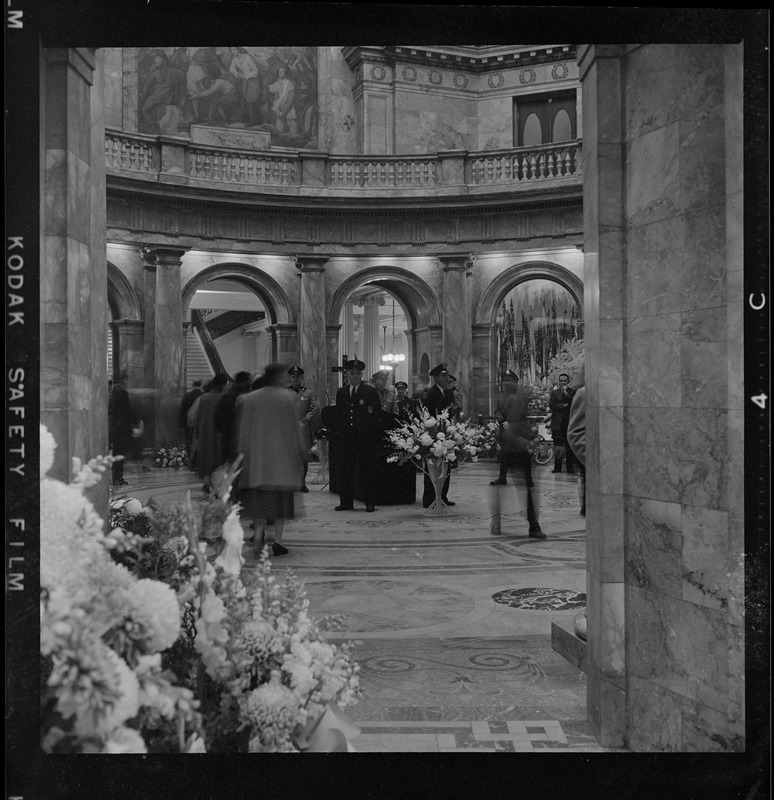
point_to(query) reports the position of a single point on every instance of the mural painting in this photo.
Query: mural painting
(536, 319)
(272, 89)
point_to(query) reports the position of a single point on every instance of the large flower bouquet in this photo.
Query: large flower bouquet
(440, 439)
(154, 639)
(175, 457)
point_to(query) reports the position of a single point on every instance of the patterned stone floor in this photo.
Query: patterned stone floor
(453, 624)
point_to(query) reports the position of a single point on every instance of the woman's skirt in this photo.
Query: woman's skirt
(266, 503)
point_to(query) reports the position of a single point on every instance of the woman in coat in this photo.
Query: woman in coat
(273, 467)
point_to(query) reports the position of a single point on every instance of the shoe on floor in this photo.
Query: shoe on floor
(279, 550)
(344, 508)
(536, 533)
(370, 508)
(494, 530)
(498, 482)
(448, 502)
(120, 483)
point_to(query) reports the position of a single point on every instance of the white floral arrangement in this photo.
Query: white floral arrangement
(157, 640)
(440, 438)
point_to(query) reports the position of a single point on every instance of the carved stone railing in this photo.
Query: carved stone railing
(177, 160)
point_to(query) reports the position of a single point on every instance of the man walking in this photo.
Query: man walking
(189, 398)
(511, 413)
(357, 425)
(305, 409)
(122, 418)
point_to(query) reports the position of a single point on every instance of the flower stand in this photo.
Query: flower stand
(437, 469)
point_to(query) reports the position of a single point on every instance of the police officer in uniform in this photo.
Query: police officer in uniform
(358, 407)
(404, 405)
(436, 399)
(305, 408)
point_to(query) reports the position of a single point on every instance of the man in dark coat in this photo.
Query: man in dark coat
(225, 413)
(305, 410)
(436, 399)
(122, 418)
(189, 398)
(559, 402)
(516, 455)
(358, 432)
(406, 407)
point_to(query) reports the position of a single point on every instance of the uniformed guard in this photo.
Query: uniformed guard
(305, 408)
(357, 422)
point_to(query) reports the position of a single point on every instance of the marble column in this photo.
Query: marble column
(149, 317)
(333, 380)
(73, 291)
(662, 162)
(311, 324)
(348, 331)
(371, 335)
(284, 346)
(131, 353)
(168, 343)
(484, 380)
(251, 350)
(457, 320)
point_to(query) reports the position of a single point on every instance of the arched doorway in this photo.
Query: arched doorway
(238, 319)
(414, 330)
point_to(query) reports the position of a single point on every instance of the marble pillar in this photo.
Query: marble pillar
(131, 349)
(663, 303)
(372, 335)
(333, 381)
(311, 325)
(284, 345)
(484, 380)
(168, 345)
(149, 317)
(457, 321)
(348, 331)
(73, 288)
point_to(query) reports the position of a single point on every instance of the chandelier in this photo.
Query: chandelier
(392, 360)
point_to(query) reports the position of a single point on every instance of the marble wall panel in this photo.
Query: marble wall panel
(654, 158)
(653, 267)
(653, 361)
(658, 713)
(113, 87)
(703, 262)
(606, 625)
(609, 361)
(689, 461)
(76, 124)
(78, 197)
(56, 170)
(605, 709)
(610, 442)
(702, 175)
(130, 90)
(677, 645)
(703, 357)
(54, 280)
(494, 129)
(654, 546)
(707, 563)
(709, 730)
(699, 68)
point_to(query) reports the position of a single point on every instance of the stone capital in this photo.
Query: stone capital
(457, 261)
(314, 263)
(155, 255)
(369, 301)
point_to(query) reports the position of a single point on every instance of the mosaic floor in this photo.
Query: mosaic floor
(453, 624)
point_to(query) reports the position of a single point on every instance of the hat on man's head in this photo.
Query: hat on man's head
(380, 373)
(510, 375)
(295, 370)
(452, 377)
(401, 383)
(355, 363)
(439, 370)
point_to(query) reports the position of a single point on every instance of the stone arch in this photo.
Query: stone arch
(486, 313)
(418, 300)
(121, 297)
(278, 307)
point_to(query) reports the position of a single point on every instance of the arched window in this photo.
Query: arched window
(545, 119)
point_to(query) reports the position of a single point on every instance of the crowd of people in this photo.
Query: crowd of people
(274, 421)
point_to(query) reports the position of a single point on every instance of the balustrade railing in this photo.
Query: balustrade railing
(495, 169)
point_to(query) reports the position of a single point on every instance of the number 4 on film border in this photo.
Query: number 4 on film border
(760, 400)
